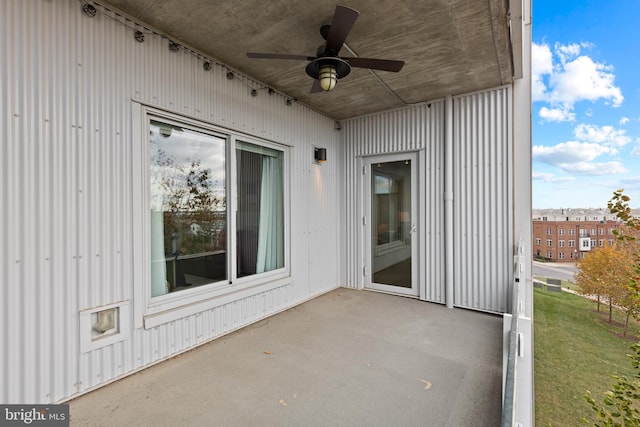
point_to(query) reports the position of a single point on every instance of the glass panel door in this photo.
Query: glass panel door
(392, 212)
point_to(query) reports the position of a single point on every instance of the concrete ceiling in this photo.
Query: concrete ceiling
(449, 46)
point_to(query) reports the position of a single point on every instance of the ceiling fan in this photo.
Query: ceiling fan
(327, 67)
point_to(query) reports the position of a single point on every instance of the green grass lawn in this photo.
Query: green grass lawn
(576, 350)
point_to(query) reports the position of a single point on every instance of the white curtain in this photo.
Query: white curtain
(158, 263)
(271, 228)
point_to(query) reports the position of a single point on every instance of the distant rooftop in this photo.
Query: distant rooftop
(576, 214)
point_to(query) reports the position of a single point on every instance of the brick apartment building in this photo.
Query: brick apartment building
(567, 236)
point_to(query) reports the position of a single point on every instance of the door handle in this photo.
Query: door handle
(414, 228)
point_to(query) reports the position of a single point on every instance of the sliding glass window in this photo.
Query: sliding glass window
(191, 242)
(188, 208)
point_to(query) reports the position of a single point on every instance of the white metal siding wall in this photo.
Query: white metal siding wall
(417, 128)
(67, 83)
(483, 207)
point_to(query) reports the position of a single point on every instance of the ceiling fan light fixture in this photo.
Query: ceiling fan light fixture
(326, 68)
(328, 76)
(327, 71)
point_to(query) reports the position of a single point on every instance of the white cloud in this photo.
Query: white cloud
(624, 121)
(606, 135)
(551, 178)
(569, 152)
(567, 52)
(557, 114)
(576, 157)
(571, 78)
(588, 168)
(583, 79)
(636, 149)
(541, 65)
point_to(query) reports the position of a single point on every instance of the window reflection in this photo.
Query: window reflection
(388, 207)
(188, 208)
(391, 214)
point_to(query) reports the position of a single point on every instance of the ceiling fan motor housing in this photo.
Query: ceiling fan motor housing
(324, 30)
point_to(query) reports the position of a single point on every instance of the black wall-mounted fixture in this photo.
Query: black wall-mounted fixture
(138, 36)
(320, 155)
(89, 10)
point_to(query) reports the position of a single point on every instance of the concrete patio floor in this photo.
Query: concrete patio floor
(347, 358)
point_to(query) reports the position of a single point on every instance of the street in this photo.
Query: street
(554, 270)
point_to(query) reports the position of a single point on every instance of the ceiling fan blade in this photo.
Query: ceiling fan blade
(343, 20)
(279, 56)
(375, 64)
(315, 88)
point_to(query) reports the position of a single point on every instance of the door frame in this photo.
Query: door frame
(367, 247)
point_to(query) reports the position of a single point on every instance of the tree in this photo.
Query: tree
(605, 272)
(619, 205)
(628, 239)
(589, 275)
(185, 193)
(621, 403)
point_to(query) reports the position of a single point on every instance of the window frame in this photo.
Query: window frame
(585, 243)
(153, 311)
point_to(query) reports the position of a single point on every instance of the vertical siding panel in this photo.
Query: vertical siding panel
(6, 359)
(482, 201)
(13, 368)
(415, 128)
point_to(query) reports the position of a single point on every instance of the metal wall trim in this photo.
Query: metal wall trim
(483, 200)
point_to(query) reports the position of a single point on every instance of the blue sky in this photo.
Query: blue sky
(586, 102)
